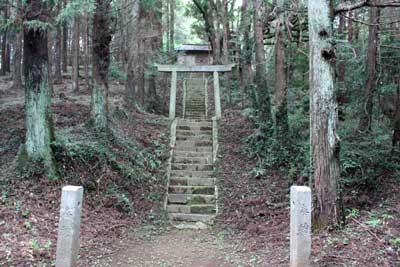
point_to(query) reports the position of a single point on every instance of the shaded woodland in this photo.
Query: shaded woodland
(313, 99)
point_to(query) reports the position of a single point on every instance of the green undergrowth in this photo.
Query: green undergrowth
(367, 159)
(115, 167)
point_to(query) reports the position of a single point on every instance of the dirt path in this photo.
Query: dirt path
(180, 248)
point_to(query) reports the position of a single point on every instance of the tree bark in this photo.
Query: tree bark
(263, 99)
(39, 123)
(101, 62)
(65, 45)
(371, 64)
(323, 108)
(226, 35)
(17, 71)
(172, 26)
(57, 79)
(85, 42)
(246, 52)
(3, 70)
(76, 52)
(281, 89)
(131, 73)
(396, 125)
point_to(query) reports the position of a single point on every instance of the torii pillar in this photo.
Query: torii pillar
(215, 69)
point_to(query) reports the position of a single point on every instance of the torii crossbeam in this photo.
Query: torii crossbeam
(215, 69)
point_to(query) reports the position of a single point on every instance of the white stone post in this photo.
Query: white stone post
(172, 101)
(217, 97)
(300, 226)
(69, 226)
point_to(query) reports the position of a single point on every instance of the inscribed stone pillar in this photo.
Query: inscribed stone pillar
(300, 226)
(172, 101)
(217, 96)
(69, 226)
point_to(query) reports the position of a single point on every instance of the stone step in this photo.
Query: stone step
(192, 167)
(192, 160)
(195, 104)
(196, 114)
(191, 110)
(194, 117)
(194, 129)
(183, 148)
(194, 108)
(187, 217)
(202, 190)
(193, 209)
(190, 199)
(194, 123)
(193, 143)
(186, 133)
(184, 181)
(194, 174)
(192, 154)
(197, 137)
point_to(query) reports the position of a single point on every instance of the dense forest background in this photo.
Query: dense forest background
(82, 103)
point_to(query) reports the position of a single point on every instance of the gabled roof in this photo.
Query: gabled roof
(194, 47)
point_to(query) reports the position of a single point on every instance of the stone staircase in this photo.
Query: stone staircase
(192, 186)
(195, 106)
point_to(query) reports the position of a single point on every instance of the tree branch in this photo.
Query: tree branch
(345, 7)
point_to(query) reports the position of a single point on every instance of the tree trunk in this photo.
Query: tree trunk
(371, 63)
(75, 52)
(172, 26)
(281, 89)
(246, 52)
(8, 59)
(323, 108)
(5, 46)
(3, 70)
(50, 59)
(396, 128)
(57, 77)
(131, 73)
(85, 42)
(226, 35)
(263, 99)
(39, 123)
(101, 62)
(17, 72)
(65, 45)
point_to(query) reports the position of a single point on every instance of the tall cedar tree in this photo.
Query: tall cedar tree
(39, 122)
(261, 75)
(371, 64)
(101, 63)
(323, 108)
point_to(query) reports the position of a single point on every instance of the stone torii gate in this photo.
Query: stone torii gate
(215, 69)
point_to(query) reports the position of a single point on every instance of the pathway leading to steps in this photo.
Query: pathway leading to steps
(180, 248)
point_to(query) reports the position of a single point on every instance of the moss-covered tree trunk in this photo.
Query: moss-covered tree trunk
(371, 63)
(281, 89)
(39, 123)
(101, 63)
(323, 108)
(263, 99)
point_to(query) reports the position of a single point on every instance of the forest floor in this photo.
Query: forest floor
(252, 229)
